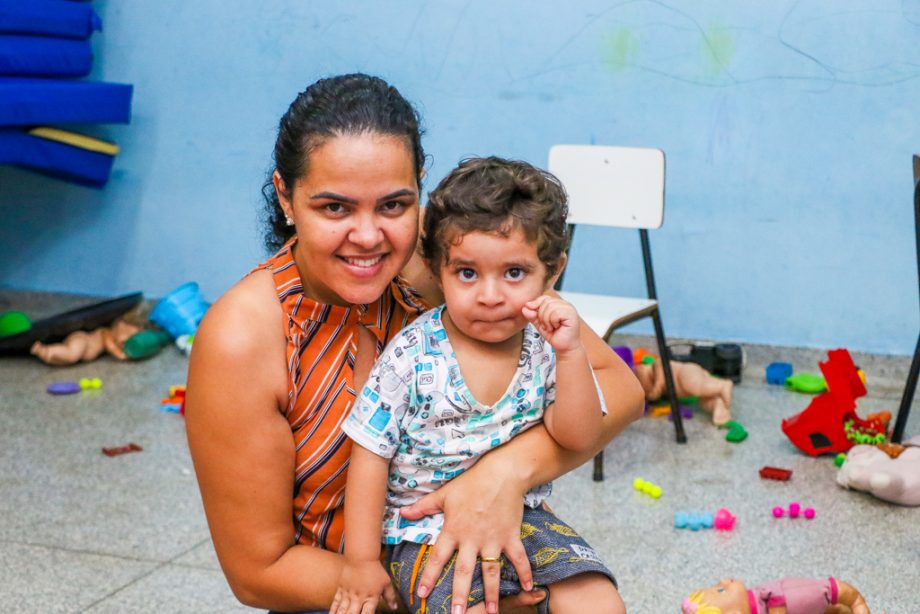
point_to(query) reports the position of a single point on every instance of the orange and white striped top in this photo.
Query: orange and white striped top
(321, 348)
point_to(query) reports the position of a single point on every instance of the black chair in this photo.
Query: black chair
(909, 389)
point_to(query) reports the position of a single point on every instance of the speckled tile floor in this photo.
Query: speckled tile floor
(84, 532)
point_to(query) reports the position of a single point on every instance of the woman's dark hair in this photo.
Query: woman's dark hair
(496, 195)
(346, 104)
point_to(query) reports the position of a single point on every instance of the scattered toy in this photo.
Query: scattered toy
(693, 520)
(14, 323)
(81, 345)
(787, 596)
(714, 394)
(840, 459)
(131, 447)
(808, 383)
(720, 359)
(180, 311)
(896, 480)
(777, 372)
(724, 520)
(736, 431)
(90, 383)
(866, 434)
(818, 429)
(175, 403)
(648, 488)
(146, 343)
(67, 387)
(775, 473)
(795, 509)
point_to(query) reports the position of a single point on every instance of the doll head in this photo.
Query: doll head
(727, 597)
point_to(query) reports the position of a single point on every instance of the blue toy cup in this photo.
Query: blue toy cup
(180, 311)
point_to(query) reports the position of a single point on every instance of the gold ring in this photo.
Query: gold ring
(490, 559)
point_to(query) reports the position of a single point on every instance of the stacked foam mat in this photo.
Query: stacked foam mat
(44, 51)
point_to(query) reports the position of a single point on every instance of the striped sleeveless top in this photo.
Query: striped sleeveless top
(321, 348)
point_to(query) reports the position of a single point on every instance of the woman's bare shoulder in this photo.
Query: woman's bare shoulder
(241, 338)
(245, 319)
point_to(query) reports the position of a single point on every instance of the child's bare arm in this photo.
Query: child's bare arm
(574, 420)
(364, 579)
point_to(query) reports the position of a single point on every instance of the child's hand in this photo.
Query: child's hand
(556, 320)
(360, 587)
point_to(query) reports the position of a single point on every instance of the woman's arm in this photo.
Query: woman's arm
(483, 508)
(243, 452)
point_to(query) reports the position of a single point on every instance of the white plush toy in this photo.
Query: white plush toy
(892, 479)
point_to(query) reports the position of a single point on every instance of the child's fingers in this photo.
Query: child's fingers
(389, 595)
(369, 607)
(529, 313)
(336, 603)
(537, 302)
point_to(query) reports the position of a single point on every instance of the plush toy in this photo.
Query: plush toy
(84, 346)
(690, 380)
(896, 480)
(785, 596)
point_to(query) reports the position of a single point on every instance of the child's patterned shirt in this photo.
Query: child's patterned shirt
(417, 411)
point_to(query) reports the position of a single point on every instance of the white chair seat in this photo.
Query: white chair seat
(605, 313)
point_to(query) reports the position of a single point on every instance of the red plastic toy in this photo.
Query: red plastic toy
(131, 447)
(775, 473)
(819, 428)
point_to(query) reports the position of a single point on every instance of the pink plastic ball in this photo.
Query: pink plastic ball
(777, 512)
(809, 512)
(794, 510)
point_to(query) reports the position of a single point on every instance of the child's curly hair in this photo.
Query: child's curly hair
(496, 195)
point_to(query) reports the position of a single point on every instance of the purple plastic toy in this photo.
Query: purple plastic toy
(64, 388)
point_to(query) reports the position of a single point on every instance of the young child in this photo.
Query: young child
(496, 359)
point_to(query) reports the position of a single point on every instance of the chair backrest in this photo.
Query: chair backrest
(611, 186)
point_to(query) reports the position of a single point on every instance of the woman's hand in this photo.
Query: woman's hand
(482, 518)
(360, 588)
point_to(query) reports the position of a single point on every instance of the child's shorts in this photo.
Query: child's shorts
(555, 550)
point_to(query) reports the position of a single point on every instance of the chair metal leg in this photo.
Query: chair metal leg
(599, 467)
(669, 378)
(907, 399)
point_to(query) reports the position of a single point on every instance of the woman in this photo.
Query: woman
(277, 360)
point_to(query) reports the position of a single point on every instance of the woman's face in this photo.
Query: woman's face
(356, 214)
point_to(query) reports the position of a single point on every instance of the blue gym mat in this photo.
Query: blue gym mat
(30, 102)
(48, 18)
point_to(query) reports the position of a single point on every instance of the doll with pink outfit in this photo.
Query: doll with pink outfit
(784, 596)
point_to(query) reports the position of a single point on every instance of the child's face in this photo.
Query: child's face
(487, 279)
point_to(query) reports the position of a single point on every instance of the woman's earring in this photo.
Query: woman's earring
(289, 221)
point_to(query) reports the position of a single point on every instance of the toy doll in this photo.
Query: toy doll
(85, 346)
(785, 596)
(690, 379)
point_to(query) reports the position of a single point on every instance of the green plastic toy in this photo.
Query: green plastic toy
(146, 343)
(13, 323)
(840, 459)
(736, 431)
(806, 382)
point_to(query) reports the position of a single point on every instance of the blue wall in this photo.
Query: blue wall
(789, 129)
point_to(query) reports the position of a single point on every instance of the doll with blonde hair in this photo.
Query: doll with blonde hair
(785, 596)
